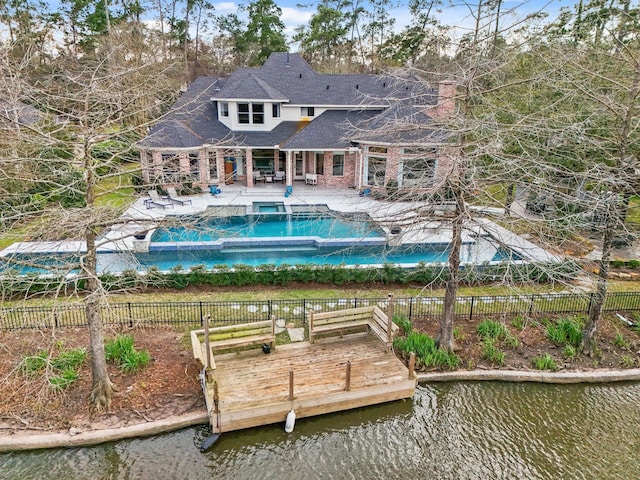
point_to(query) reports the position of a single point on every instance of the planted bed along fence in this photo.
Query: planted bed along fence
(189, 314)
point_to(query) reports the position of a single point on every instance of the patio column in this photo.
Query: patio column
(219, 167)
(249, 164)
(289, 168)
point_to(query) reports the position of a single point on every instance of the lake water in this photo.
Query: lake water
(484, 430)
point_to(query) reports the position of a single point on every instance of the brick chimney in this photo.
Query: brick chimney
(446, 99)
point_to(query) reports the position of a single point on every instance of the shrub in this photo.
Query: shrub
(492, 353)
(427, 353)
(404, 324)
(65, 379)
(490, 329)
(620, 341)
(565, 331)
(122, 353)
(69, 359)
(569, 352)
(34, 364)
(544, 362)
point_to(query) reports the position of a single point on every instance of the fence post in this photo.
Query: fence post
(533, 299)
(130, 314)
(270, 308)
(304, 311)
(411, 309)
(590, 303)
(55, 319)
(201, 313)
(347, 383)
(473, 299)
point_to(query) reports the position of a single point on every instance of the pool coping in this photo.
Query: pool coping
(30, 441)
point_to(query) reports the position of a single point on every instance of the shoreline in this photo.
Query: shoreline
(15, 442)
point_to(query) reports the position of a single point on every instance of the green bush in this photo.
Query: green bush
(490, 329)
(569, 352)
(544, 362)
(34, 364)
(122, 353)
(565, 331)
(69, 359)
(65, 379)
(405, 325)
(426, 351)
(492, 353)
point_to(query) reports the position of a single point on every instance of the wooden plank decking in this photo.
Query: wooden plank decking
(253, 387)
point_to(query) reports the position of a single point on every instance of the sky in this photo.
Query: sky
(457, 15)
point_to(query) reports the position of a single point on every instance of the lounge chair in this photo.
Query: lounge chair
(154, 200)
(279, 177)
(173, 197)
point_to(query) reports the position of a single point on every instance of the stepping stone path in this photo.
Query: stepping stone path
(296, 334)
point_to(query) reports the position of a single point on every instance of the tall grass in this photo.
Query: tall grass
(565, 331)
(122, 353)
(427, 353)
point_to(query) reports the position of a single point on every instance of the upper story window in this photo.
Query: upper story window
(224, 109)
(307, 111)
(251, 113)
(275, 110)
(373, 149)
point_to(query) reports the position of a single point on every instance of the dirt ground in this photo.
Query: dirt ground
(170, 385)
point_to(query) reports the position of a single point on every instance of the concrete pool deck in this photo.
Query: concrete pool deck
(412, 219)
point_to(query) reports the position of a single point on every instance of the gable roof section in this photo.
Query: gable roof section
(247, 85)
(190, 122)
(401, 124)
(331, 130)
(287, 76)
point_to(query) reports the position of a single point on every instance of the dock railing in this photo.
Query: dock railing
(190, 314)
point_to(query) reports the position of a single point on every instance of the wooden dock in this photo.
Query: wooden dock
(251, 388)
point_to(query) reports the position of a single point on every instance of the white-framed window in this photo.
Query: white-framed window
(194, 165)
(251, 113)
(224, 109)
(338, 164)
(308, 111)
(417, 167)
(213, 164)
(275, 110)
(376, 167)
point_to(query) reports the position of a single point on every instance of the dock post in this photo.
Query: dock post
(207, 346)
(347, 382)
(412, 365)
(290, 384)
(390, 320)
(216, 398)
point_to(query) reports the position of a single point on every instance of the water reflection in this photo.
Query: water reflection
(449, 431)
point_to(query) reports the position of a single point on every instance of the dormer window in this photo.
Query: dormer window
(307, 111)
(224, 109)
(275, 110)
(251, 113)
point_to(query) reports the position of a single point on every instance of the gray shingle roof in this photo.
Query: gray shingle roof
(331, 130)
(193, 121)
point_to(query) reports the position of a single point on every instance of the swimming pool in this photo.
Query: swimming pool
(165, 260)
(272, 225)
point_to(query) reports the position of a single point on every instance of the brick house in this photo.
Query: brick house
(283, 122)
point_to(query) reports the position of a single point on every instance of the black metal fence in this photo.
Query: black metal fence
(190, 314)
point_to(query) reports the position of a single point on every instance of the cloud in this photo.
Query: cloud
(225, 7)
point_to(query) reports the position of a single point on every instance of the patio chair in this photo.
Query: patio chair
(154, 200)
(288, 191)
(257, 176)
(214, 190)
(173, 197)
(279, 177)
(311, 179)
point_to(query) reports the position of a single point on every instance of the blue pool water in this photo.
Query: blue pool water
(196, 229)
(254, 256)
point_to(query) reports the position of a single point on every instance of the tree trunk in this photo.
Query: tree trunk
(445, 337)
(102, 388)
(595, 310)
